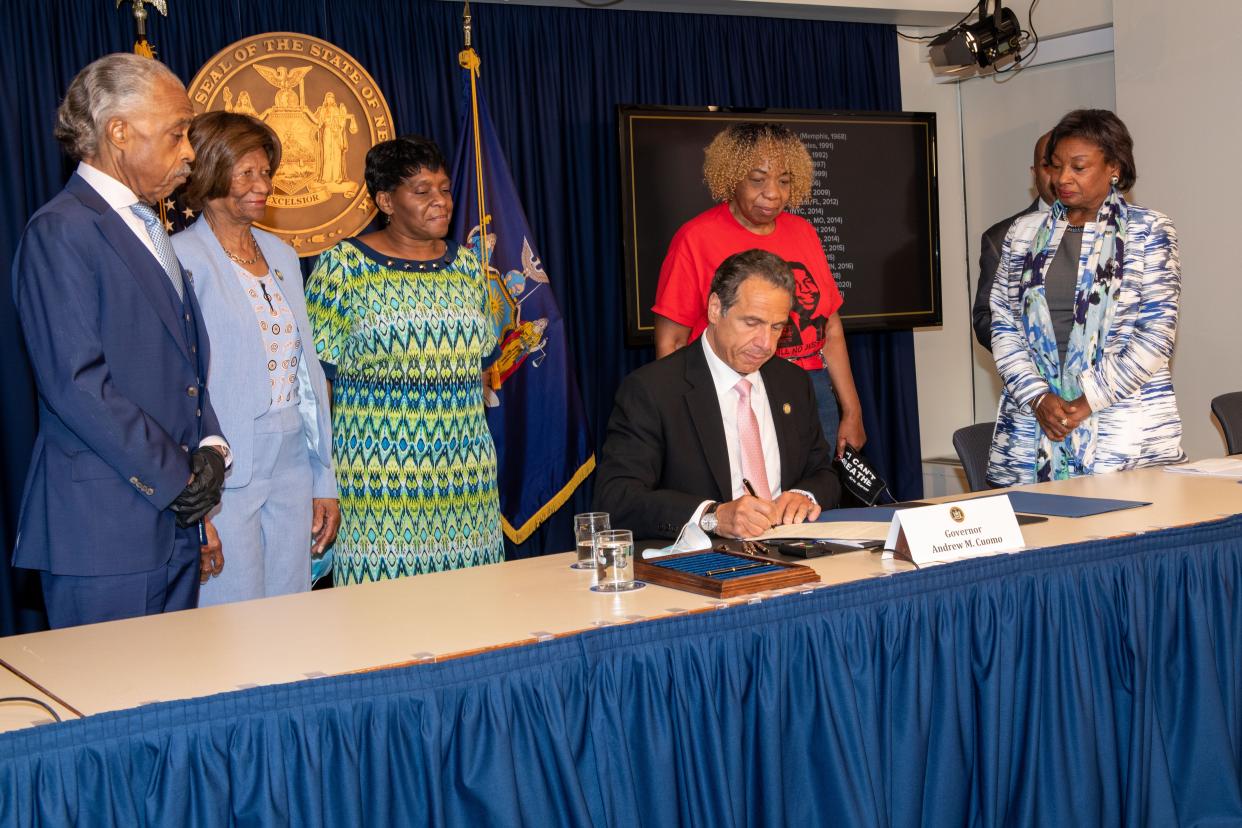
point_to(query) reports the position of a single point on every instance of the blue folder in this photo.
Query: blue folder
(1036, 503)
(874, 514)
(1031, 503)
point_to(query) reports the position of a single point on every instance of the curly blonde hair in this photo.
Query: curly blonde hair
(738, 148)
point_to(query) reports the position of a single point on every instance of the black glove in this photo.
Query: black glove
(203, 492)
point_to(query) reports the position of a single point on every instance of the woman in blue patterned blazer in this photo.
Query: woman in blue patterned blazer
(1084, 314)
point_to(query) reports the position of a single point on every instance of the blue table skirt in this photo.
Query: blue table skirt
(1095, 685)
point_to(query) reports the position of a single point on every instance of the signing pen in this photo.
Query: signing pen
(739, 568)
(750, 490)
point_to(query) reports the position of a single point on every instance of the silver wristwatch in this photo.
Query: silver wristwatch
(708, 522)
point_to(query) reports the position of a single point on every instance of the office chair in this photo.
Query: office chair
(1228, 410)
(972, 444)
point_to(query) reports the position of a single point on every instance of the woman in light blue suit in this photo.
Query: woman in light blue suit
(280, 505)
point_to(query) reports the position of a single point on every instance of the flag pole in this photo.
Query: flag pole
(141, 45)
(143, 48)
(468, 58)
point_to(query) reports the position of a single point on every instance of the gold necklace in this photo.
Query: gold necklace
(245, 262)
(254, 244)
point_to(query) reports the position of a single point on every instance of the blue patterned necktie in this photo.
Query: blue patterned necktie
(163, 245)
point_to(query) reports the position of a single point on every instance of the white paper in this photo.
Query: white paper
(1212, 467)
(838, 531)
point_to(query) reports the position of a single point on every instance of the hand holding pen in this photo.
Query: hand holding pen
(747, 516)
(789, 507)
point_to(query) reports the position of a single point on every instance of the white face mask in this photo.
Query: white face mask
(691, 538)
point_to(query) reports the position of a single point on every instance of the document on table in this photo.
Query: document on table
(1212, 467)
(837, 532)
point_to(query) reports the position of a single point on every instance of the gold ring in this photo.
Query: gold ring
(1064, 422)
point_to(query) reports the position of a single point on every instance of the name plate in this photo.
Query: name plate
(952, 531)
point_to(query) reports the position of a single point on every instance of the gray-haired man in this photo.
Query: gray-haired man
(129, 454)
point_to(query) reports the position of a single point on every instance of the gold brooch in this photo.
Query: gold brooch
(787, 408)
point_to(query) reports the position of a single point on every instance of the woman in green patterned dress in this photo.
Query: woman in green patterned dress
(401, 325)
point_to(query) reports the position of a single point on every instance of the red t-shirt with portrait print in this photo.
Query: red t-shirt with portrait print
(709, 238)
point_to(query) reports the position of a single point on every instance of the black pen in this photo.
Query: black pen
(739, 568)
(750, 490)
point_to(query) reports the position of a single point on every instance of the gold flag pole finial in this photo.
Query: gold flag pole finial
(469, 60)
(141, 46)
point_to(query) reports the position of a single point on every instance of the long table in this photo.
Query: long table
(1094, 679)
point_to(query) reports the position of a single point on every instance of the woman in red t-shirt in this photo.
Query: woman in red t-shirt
(755, 171)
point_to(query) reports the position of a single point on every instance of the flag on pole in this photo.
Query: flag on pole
(534, 410)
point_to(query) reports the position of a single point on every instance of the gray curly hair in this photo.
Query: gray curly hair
(115, 85)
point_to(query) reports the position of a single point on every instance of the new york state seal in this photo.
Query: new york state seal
(327, 111)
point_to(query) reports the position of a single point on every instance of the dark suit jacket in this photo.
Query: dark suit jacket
(119, 361)
(665, 451)
(989, 260)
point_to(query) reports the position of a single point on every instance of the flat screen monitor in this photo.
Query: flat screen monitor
(873, 204)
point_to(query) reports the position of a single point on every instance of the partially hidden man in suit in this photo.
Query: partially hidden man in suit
(688, 429)
(129, 455)
(994, 237)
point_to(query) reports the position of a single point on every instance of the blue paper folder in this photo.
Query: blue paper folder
(1036, 503)
(875, 514)
(1031, 503)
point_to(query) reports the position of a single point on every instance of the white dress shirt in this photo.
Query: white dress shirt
(725, 378)
(121, 198)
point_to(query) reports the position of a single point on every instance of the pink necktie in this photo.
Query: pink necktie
(753, 467)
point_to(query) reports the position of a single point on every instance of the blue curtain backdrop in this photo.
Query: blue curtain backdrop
(555, 76)
(1097, 685)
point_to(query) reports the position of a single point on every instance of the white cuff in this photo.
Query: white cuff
(217, 441)
(805, 494)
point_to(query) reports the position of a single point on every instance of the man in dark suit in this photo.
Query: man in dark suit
(719, 432)
(994, 238)
(129, 455)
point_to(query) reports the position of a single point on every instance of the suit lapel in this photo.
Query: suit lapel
(783, 410)
(143, 266)
(704, 407)
(224, 283)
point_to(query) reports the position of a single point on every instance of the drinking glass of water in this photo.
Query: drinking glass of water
(614, 561)
(585, 527)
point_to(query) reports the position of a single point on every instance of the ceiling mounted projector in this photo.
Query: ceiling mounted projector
(993, 40)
